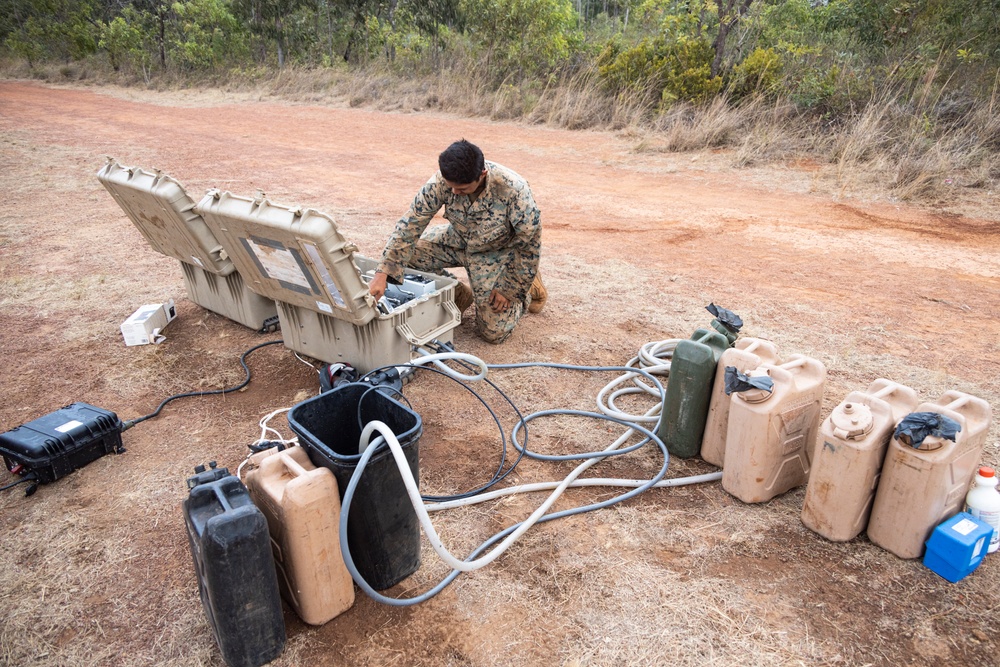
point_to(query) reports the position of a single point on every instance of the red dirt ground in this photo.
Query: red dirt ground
(635, 245)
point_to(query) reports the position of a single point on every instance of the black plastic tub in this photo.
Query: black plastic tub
(382, 531)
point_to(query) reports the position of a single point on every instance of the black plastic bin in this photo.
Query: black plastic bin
(382, 531)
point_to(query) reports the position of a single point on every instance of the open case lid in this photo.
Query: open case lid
(158, 206)
(290, 254)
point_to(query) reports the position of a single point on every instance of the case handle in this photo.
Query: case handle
(413, 339)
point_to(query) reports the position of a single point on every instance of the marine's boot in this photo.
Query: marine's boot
(463, 296)
(539, 295)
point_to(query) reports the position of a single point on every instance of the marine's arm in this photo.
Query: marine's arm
(399, 248)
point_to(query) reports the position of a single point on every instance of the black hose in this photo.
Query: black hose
(499, 474)
(246, 369)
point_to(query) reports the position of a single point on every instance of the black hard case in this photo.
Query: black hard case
(62, 441)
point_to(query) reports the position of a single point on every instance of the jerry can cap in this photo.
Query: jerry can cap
(928, 444)
(755, 395)
(851, 421)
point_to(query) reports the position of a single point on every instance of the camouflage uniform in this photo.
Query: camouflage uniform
(497, 238)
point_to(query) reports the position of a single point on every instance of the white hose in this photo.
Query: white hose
(590, 481)
(437, 358)
(425, 520)
(653, 359)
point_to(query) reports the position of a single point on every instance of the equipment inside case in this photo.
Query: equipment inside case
(298, 257)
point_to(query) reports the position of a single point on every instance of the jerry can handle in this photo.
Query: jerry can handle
(293, 466)
(957, 404)
(221, 497)
(888, 390)
(794, 363)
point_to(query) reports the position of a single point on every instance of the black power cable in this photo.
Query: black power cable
(500, 474)
(246, 369)
(30, 477)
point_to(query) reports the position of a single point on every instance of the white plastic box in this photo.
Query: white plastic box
(145, 326)
(297, 257)
(162, 211)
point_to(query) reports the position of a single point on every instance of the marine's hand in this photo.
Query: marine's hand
(377, 286)
(498, 302)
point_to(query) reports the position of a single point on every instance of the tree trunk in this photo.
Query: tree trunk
(280, 39)
(730, 13)
(329, 28)
(390, 52)
(161, 14)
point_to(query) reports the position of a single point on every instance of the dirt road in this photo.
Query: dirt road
(96, 565)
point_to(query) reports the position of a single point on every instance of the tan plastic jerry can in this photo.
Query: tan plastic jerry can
(770, 435)
(922, 486)
(302, 506)
(746, 355)
(848, 462)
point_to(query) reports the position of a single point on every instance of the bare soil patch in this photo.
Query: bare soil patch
(97, 569)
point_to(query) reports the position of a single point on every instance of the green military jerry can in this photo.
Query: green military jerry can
(689, 385)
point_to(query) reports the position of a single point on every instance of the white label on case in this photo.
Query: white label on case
(325, 307)
(979, 547)
(69, 426)
(964, 526)
(324, 274)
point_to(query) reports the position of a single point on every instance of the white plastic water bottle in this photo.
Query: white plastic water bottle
(983, 502)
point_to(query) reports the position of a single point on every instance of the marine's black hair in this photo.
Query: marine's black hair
(461, 163)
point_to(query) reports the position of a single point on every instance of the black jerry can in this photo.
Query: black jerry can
(231, 549)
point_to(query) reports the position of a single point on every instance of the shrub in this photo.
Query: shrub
(759, 73)
(688, 73)
(679, 70)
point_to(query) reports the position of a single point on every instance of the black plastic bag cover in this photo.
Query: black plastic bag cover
(916, 426)
(736, 381)
(729, 319)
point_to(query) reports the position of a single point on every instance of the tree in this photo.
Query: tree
(267, 18)
(429, 16)
(59, 29)
(206, 34)
(122, 40)
(520, 36)
(731, 12)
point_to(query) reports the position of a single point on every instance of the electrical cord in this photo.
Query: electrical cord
(132, 422)
(30, 477)
(368, 447)
(264, 443)
(460, 378)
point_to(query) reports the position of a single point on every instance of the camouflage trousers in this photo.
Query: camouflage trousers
(484, 270)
